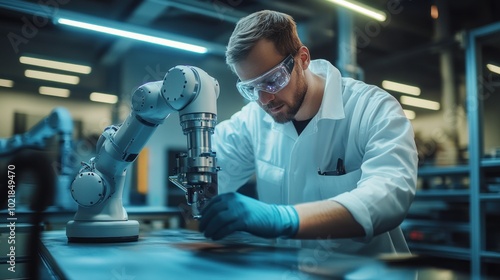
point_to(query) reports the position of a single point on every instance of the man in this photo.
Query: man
(334, 158)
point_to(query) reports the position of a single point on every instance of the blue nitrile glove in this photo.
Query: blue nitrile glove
(230, 212)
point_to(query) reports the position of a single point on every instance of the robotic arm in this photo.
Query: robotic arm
(98, 188)
(59, 122)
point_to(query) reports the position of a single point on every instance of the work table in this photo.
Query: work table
(184, 254)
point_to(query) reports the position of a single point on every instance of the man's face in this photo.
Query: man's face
(284, 104)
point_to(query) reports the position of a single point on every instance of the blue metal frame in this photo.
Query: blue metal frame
(474, 118)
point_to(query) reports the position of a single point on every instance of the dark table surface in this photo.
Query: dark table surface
(184, 254)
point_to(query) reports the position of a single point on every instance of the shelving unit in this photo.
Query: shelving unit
(479, 244)
(477, 163)
(430, 228)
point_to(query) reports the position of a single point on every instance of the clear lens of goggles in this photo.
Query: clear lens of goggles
(272, 81)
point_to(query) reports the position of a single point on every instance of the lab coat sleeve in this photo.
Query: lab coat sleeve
(386, 189)
(233, 147)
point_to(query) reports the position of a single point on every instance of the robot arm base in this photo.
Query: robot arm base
(102, 232)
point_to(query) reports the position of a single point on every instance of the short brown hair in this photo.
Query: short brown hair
(276, 27)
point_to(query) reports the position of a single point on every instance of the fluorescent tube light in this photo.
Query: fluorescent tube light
(133, 35)
(52, 91)
(412, 90)
(362, 9)
(409, 114)
(6, 83)
(82, 69)
(493, 68)
(47, 76)
(103, 97)
(421, 103)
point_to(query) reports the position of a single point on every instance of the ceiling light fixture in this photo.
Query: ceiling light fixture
(47, 76)
(103, 97)
(412, 90)
(421, 103)
(133, 35)
(362, 9)
(71, 67)
(410, 114)
(6, 83)
(52, 91)
(493, 68)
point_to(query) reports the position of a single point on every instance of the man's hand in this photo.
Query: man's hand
(232, 212)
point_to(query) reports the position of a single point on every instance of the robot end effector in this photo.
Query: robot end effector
(98, 187)
(196, 169)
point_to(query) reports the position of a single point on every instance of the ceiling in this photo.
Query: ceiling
(405, 48)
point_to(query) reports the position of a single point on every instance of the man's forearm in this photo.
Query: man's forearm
(326, 219)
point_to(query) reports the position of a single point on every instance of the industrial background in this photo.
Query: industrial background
(422, 43)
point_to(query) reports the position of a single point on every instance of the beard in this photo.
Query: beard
(290, 109)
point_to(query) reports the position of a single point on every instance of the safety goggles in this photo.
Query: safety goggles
(272, 81)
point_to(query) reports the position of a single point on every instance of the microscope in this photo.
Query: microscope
(98, 187)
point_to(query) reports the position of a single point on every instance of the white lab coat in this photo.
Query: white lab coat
(360, 123)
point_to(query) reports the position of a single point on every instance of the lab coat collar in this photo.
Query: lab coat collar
(332, 105)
